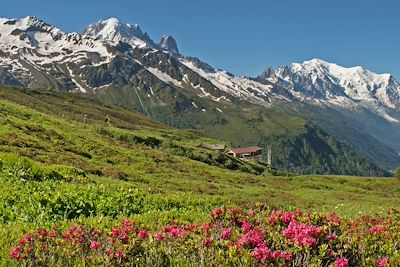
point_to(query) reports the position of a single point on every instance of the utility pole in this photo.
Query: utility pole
(269, 155)
(84, 120)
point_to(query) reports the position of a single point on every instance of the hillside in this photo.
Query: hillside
(298, 146)
(56, 170)
(48, 128)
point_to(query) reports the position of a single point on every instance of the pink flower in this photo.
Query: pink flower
(261, 253)
(302, 235)
(342, 262)
(377, 229)
(16, 253)
(207, 242)
(66, 236)
(115, 232)
(191, 227)
(252, 213)
(234, 211)
(143, 234)
(226, 234)
(127, 224)
(332, 219)
(71, 230)
(159, 236)
(207, 226)
(253, 238)
(41, 232)
(246, 226)
(124, 237)
(217, 212)
(331, 237)
(282, 255)
(287, 217)
(52, 234)
(80, 232)
(119, 254)
(94, 245)
(27, 238)
(176, 232)
(275, 215)
(382, 262)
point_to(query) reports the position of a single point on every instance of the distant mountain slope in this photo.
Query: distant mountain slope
(355, 105)
(298, 146)
(119, 64)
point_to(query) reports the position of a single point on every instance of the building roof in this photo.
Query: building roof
(243, 150)
(214, 146)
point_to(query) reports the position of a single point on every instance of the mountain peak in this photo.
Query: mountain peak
(24, 23)
(168, 43)
(319, 80)
(338, 70)
(316, 61)
(114, 30)
(267, 72)
(111, 20)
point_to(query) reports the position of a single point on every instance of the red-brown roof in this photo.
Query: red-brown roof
(243, 150)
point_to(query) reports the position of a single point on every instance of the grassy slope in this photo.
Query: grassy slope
(108, 152)
(298, 146)
(112, 172)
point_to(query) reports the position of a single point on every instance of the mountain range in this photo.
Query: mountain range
(318, 117)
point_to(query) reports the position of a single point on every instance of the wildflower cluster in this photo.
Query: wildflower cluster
(231, 237)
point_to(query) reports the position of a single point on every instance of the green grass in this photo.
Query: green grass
(159, 159)
(56, 170)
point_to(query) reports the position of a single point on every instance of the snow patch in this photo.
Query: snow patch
(164, 76)
(81, 88)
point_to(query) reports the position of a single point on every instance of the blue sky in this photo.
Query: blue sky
(245, 36)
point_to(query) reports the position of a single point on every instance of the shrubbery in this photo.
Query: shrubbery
(397, 173)
(21, 168)
(232, 237)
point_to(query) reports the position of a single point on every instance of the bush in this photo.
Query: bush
(18, 167)
(397, 173)
(231, 237)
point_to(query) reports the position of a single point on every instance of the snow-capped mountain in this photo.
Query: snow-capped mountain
(320, 82)
(119, 63)
(32, 50)
(168, 43)
(36, 54)
(113, 30)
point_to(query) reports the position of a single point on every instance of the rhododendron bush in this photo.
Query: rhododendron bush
(231, 237)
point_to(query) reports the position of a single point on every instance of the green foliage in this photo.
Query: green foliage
(397, 173)
(26, 170)
(314, 151)
(52, 200)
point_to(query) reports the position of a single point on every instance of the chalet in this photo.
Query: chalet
(253, 152)
(215, 147)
